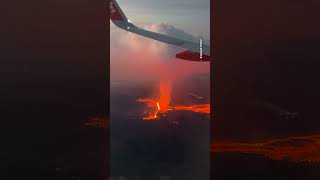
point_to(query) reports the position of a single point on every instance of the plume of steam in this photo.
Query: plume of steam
(165, 92)
(139, 59)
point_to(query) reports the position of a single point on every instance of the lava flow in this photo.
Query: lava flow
(158, 108)
(198, 108)
(154, 105)
(294, 149)
(163, 108)
(162, 104)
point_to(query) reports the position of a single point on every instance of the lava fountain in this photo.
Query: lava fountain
(162, 104)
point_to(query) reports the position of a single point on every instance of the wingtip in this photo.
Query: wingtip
(192, 56)
(115, 12)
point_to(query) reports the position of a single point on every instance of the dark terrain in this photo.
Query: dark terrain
(267, 53)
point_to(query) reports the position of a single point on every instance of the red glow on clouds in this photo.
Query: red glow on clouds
(135, 58)
(138, 59)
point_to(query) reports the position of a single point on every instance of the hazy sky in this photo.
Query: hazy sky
(193, 16)
(137, 58)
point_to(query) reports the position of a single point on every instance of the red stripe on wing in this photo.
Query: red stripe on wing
(114, 12)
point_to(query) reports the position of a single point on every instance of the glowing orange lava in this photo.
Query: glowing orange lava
(153, 104)
(199, 108)
(294, 149)
(162, 105)
(158, 108)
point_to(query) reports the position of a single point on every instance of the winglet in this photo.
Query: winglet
(116, 13)
(192, 56)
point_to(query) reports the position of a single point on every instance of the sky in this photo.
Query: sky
(136, 58)
(140, 62)
(193, 16)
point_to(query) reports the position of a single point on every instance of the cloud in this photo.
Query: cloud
(170, 30)
(136, 58)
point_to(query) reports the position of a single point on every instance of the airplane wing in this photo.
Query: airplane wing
(194, 51)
